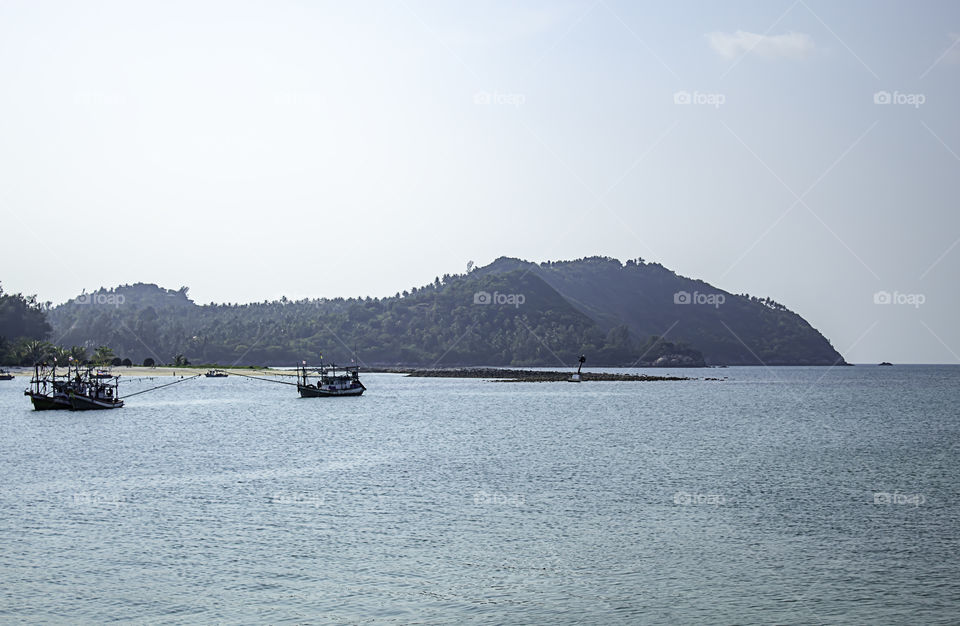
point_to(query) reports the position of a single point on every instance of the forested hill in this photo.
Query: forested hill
(650, 299)
(507, 319)
(508, 313)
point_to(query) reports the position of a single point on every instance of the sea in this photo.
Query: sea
(770, 496)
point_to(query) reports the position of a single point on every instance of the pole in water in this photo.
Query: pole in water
(576, 377)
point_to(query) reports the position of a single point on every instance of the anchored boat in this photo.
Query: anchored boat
(92, 393)
(329, 383)
(76, 391)
(49, 391)
(216, 374)
(5, 375)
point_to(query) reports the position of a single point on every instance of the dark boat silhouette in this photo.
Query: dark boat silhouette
(49, 391)
(92, 393)
(329, 383)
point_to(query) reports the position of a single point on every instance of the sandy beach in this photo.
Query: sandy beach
(150, 372)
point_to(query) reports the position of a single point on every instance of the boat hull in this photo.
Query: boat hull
(85, 403)
(309, 391)
(49, 403)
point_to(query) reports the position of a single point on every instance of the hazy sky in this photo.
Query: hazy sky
(806, 151)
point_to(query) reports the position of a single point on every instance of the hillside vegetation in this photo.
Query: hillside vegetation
(508, 313)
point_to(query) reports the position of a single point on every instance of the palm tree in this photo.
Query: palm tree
(59, 354)
(103, 355)
(34, 351)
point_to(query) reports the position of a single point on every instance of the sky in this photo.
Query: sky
(799, 150)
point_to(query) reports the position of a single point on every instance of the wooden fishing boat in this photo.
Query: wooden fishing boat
(49, 391)
(5, 375)
(216, 374)
(93, 394)
(329, 383)
(76, 391)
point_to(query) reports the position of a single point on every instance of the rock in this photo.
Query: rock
(678, 360)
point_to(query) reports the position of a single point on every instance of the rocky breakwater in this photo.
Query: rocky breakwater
(526, 376)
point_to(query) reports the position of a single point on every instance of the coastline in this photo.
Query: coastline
(493, 373)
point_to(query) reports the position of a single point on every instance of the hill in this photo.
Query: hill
(652, 300)
(509, 313)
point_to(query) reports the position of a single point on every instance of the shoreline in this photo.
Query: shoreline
(138, 371)
(494, 374)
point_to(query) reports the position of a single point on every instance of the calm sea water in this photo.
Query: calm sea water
(784, 495)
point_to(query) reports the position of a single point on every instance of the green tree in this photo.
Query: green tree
(31, 351)
(77, 353)
(103, 355)
(22, 316)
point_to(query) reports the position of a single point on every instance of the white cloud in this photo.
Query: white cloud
(788, 45)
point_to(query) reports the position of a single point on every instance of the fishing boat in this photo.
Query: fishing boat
(49, 391)
(91, 393)
(216, 374)
(5, 375)
(329, 383)
(102, 375)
